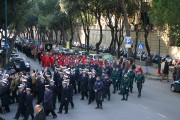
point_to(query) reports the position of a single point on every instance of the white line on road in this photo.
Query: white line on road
(161, 115)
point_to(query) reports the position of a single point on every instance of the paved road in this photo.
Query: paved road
(156, 103)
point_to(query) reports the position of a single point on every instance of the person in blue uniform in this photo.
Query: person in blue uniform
(98, 88)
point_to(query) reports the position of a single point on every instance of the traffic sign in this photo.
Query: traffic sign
(141, 46)
(128, 40)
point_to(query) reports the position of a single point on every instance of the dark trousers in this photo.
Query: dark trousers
(74, 87)
(84, 94)
(54, 101)
(91, 95)
(79, 86)
(27, 115)
(107, 93)
(139, 86)
(64, 104)
(99, 103)
(125, 92)
(40, 99)
(50, 111)
(131, 86)
(71, 101)
(20, 111)
(14, 96)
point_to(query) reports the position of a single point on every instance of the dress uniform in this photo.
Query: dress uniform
(98, 88)
(125, 87)
(131, 76)
(64, 100)
(115, 77)
(29, 104)
(54, 89)
(91, 82)
(84, 85)
(48, 102)
(41, 90)
(107, 83)
(4, 94)
(21, 104)
(139, 79)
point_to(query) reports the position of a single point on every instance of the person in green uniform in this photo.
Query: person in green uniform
(139, 79)
(115, 77)
(131, 76)
(125, 87)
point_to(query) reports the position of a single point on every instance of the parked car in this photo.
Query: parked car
(20, 64)
(175, 86)
(95, 56)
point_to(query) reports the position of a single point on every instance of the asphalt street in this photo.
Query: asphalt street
(157, 103)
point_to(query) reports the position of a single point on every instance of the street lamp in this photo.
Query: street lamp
(159, 58)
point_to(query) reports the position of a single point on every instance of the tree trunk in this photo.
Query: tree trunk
(146, 33)
(101, 34)
(32, 33)
(72, 32)
(136, 42)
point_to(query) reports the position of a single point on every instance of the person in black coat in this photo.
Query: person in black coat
(29, 104)
(84, 85)
(70, 93)
(40, 92)
(21, 105)
(98, 88)
(4, 94)
(107, 83)
(54, 89)
(91, 82)
(48, 102)
(73, 81)
(40, 115)
(64, 99)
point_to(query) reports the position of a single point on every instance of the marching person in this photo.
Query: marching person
(107, 83)
(29, 104)
(131, 76)
(98, 88)
(21, 104)
(91, 82)
(54, 89)
(48, 102)
(125, 87)
(64, 99)
(40, 115)
(84, 85)
(139, 79)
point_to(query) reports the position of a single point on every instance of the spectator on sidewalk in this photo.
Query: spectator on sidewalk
(148, 63)
(166, 71)
(178, 71)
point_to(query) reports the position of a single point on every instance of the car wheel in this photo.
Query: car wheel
(172, 88)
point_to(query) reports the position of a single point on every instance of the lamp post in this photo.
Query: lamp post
(6, 48)
(159, 58)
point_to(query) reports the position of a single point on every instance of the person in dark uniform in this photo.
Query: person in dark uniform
(64, 99)
(53, 87)
(70, 93)
(84, 85)
(4, 94)
(115, 77)
(41, 90)
(29, 104)
(131, 76)
(73, 81)
(91, 82)
(107, 83)
(40, 115)
(125, 87)
(98, 88)
(48, 102)
(21, 105)
(139, 79)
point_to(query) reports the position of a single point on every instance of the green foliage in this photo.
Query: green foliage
(166, 12)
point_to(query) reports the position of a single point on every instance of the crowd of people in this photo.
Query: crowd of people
(71, 75)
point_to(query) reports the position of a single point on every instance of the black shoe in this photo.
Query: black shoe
(89, 103)
(54, 116)
(108, 99)
(122, 99)
(139, 96)
(82, 99)
(59, 112)
(72, 106)
(66, 113)
(101, 107)
(96, 107)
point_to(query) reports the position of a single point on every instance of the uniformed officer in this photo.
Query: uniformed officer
(21, 104)
(139, 79)
(91, 82)
(131, 76)
(29, 104)
(41, 90)
(115, 77)
(48, 102)
(54, 89)
(98, 88)
(125, 87)
(107, 83)
(64, 99)
(84, 85)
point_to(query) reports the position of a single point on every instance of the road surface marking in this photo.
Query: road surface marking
(161, 115)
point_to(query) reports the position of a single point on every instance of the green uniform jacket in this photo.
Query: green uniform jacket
(126, 82)
(139, 78)
(131, 76)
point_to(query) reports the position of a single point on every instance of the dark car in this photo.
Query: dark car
(20, 64)
(175, 86)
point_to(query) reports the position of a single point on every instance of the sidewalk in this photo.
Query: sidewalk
(153, 72)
